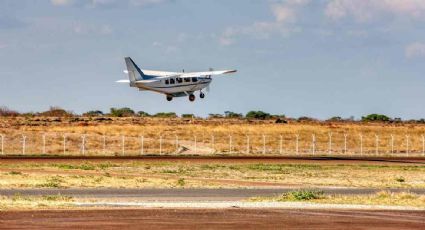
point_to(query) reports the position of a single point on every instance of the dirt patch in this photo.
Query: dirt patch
(212, 219)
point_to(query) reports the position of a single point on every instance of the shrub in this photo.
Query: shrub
(181, 182)
(188, 115)
(230, 114)
(400, 179)
(376, 117)
(56, 111)
(306, 119)
(122, 112)
(6, 112)
(166, 115)
(93, 113)
(143, 114)
(215, 115)
(301, 195)
(258, 115)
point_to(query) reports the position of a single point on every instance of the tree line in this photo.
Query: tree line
(56, 111)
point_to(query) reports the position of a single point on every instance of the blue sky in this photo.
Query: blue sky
(316, 58)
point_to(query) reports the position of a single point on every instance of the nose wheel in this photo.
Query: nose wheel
(169, 98)
(202, 95)
(191, 97)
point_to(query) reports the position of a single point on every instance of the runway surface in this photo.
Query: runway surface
(223, 159)
(212, 219)
(188, 194)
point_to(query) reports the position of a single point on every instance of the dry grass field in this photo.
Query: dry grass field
(107, 136)
(171, 174)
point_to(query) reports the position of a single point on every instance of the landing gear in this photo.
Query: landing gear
(191, 97)
(201, 95)
(169, 97)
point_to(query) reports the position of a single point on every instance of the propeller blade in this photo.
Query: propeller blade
(208, 88)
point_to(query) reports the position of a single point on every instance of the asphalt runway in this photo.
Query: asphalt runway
(235, 218)
(201, 194)
(222, 159)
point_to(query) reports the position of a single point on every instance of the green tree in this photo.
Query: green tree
(122, 112)
(143, 114)
(166, 115)
(258, 115)
(230, 114)
(56, 111)
(376, 117)
(93, 113)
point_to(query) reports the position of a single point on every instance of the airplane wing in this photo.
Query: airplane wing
(159, 73)
(141, 81)
(207, 73)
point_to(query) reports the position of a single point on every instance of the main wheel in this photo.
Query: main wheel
(201, 95)
(191, 97)
(169, 98)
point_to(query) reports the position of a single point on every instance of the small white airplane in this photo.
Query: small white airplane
(172, 84)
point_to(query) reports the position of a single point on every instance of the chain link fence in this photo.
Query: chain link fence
(329, 144)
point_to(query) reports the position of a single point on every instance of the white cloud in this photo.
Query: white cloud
(62, 2)
(366, 10)
(107, 3)
(86, 28)
(285, 15)
(415, 50)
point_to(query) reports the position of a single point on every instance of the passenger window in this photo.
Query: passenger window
(187, 80)
(172, 81)
(194, 79)
(179, 80)
(167, 82)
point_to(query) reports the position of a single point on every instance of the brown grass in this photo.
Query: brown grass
(274, 135)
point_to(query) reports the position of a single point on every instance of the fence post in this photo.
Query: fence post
(281, 145)
(297, 136)
(230, 143)
(313, 144)
(423, 145)
(160, 144)
(142, 145)
(104, 144)
(212, 142)
(361, 144)
(392, 143)
(345, 143)
(376, 144)
(83, 144)
(123, 145)
(44, 143)
(407, 145)
(330, 144)
(247, 144)
(264, 144)
(2, 144)
(24, 138)
(196, 147)
(64, 143)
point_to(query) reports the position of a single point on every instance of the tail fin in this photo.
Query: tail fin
(134, 72)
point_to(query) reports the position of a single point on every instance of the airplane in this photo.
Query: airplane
(172, 84)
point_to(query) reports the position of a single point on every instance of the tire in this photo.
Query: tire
(191, 97)
(169, 98)
(202, 95)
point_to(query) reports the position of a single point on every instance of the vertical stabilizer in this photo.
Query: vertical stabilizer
(134, 72)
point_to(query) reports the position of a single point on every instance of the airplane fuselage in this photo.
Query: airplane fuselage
(175, 86)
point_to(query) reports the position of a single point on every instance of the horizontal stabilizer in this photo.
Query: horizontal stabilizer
(123, 81)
